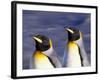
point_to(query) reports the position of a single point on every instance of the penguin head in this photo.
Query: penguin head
(43, 43)
(73, 34)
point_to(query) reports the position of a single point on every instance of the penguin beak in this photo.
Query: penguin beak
(37, 39)
(69, 30)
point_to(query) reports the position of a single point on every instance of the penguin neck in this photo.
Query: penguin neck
(79, 43)
(48, 52)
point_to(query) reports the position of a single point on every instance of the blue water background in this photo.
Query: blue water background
(52, 24)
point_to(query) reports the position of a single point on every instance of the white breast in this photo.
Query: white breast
(41, 61)
(73, 59)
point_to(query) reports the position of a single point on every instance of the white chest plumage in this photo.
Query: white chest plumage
(47, 59)
(73, 59)
(41, 61)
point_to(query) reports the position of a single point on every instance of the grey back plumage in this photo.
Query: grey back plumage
(51, 53)
(83, 53)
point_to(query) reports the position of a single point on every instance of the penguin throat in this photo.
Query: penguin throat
(49, 51)
(73, 38)
(79, 42)
(41, 47)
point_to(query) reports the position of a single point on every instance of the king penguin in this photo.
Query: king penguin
(44, 57)
(76, 54)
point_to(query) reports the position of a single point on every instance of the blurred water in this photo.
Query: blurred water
(52, 25)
